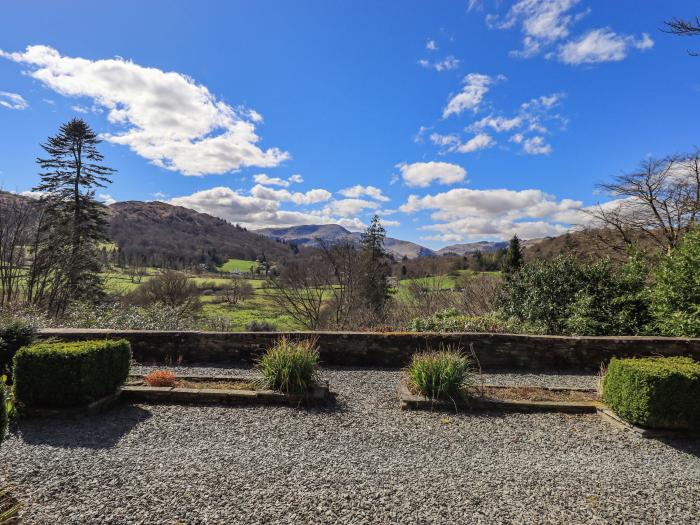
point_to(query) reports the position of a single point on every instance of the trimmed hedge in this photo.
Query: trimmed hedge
(654, 392)
(55, 375)
(14, 334)
(3, 412)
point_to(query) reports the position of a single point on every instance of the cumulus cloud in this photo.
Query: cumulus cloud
(602, 45)
(165, 117)
(310, 197)
(446, 64)
(265, 180)
(536, 146)
(256, 211)
(452, 143)
(547, 25)
(467, 214)
(12, 100)
(476, 85)
(497, 124)
(431, 45)
(106, 198)
(358, 191)
(349, 207)
(423, 174)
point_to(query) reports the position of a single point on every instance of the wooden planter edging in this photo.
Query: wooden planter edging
(653, 433)
(411, 401)
(92, 409)
(320, 395)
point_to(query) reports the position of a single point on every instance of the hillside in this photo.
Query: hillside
(309, 235)
(473, 247)
(156, 233)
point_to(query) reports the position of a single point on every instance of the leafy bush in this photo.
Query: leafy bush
(67, 374)
(675, 290)
(3, 412)
(566, 296)
(444, 374)
(290, 366)
(451, 320)
(116, 316)
(654, 392)
(14, 334)
(260, 326)
(160, 378)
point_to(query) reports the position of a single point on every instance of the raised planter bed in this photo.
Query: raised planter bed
(520, 399)
(654, 433)
(221, 390)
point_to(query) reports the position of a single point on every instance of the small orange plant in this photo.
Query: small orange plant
(160, 378)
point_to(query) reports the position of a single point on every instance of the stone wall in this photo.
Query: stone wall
(494, 351)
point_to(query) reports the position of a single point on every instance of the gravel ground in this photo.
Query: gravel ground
(363, 462)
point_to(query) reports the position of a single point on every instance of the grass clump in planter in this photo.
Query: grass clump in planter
(162, 378)
(655, 392)
(61, 375)
(442, 374)
(290, 366)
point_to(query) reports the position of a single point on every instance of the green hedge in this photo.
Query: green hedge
(655, 392)
(14, 334)
(54, 375)
(3, 413)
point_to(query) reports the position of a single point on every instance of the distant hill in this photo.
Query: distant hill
(473, 247)
(156, 233)
(308, 235)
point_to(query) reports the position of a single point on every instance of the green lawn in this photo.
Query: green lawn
(236, 264)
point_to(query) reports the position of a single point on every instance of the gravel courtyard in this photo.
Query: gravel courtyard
(363, 462)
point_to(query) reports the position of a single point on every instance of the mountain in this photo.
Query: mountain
(473, 247)
(160, 233)
(309, 234)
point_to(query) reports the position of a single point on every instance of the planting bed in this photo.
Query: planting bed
(225, 390)
(518, 398)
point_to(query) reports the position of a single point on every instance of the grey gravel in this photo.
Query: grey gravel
(363, 462)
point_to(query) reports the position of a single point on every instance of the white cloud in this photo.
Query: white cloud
(296, 178)
(310, 197)
(499, 213)
(262, 178)
(255, 212)
(478, 142)
(536, 146)
(431, 45)
(444, 140)
(12, 101)
(422, 174)
(359, 190)
(601, 45)
(106, 199)
(349, 207)
(476, 85)
(446, 64)
(497, 124)
(165, 117)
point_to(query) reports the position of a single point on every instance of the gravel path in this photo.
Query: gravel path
(364, 462)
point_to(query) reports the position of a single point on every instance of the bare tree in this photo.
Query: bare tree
(169, 288)
(236, 291)
(17, 222)
(681, 27)
(301, 290)
(660, 202)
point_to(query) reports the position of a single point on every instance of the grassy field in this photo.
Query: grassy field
(236, 264)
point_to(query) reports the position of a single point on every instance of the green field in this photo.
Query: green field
(236, 264)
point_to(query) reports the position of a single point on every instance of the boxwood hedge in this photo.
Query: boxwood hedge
(655, 392)
(14, 334)
(55, 375)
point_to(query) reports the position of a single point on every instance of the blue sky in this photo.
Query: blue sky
(455, 121)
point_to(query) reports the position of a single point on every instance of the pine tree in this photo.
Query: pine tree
(76, 223)
(513, 259)
(375, 288)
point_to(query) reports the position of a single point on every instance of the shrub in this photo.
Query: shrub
(675, 290)
(160, 378)
(654, 392)
(14, 334)
(260, 326)
(68, 374)
(451, 320)
(3, 412)
(290, 366)
(440, 374)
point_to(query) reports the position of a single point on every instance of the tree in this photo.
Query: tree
(375, 287)
(658, 202)
(680, 27)
(236, 291)
(675, 290)
(170, 288)
(66, 259)
(513, 258)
